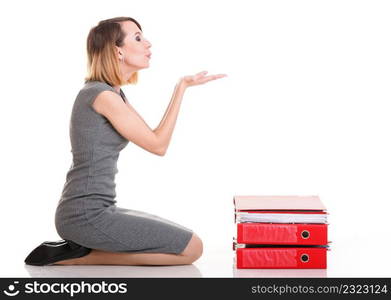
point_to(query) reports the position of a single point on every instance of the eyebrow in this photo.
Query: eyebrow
(138, 32)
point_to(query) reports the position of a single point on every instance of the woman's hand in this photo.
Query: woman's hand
(199, 78)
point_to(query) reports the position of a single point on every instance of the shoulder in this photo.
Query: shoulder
(97, 86)
(107, 101)
(92, 90)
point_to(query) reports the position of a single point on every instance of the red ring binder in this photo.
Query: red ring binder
(280, 232)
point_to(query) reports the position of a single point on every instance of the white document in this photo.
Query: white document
(242, 217)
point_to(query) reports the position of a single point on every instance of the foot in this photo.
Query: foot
(71, 261)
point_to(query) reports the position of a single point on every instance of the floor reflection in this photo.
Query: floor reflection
(279, 272)
(113, 271)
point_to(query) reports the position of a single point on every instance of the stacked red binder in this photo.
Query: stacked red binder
(280, 232)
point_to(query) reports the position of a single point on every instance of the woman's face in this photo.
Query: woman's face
(136, 49)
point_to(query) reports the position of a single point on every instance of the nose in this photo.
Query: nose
(149, 45)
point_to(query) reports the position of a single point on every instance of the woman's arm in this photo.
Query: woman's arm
(131, 125)
(167, 124)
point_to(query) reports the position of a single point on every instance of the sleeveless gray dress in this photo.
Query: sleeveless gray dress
(87, 213)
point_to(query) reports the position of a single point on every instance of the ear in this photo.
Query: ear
(119, 52)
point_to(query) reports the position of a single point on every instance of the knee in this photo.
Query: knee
(193, 250)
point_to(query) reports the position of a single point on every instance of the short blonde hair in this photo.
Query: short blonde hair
(103, 63)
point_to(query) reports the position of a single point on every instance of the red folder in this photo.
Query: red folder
(281, 258)
(283, 234)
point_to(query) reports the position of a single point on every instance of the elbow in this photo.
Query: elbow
(161, 152)
(159, 146)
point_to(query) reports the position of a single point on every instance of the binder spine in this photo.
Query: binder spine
(281, 258)
(284, 234)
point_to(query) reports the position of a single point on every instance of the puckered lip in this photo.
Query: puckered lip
(148, 55)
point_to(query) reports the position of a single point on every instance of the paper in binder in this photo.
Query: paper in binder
(281, 217)
(280, 209)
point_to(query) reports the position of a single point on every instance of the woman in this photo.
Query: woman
(102, 124)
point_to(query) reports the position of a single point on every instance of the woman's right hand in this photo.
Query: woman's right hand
(199, 78)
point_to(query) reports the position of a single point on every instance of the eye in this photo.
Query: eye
(138, 38)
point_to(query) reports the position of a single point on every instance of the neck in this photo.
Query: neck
(126, 73)
(117, 88)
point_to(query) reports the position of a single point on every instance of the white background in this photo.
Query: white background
(304, 111)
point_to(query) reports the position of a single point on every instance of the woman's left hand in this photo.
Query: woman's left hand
(199, 78)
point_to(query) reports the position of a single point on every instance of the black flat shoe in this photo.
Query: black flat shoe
(50, 252)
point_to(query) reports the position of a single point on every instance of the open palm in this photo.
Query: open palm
(200, 78)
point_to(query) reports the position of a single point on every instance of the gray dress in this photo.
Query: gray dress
(87, 213)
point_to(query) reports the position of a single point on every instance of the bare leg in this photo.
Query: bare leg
(98, 257)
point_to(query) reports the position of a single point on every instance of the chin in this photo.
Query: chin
(145, 66)
(138, 67)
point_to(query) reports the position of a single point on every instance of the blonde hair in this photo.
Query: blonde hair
(103, 63)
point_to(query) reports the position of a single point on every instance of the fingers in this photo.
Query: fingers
(200, 75)
(212, 77)
(200, 78)
(217, 76)
(203, 73)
